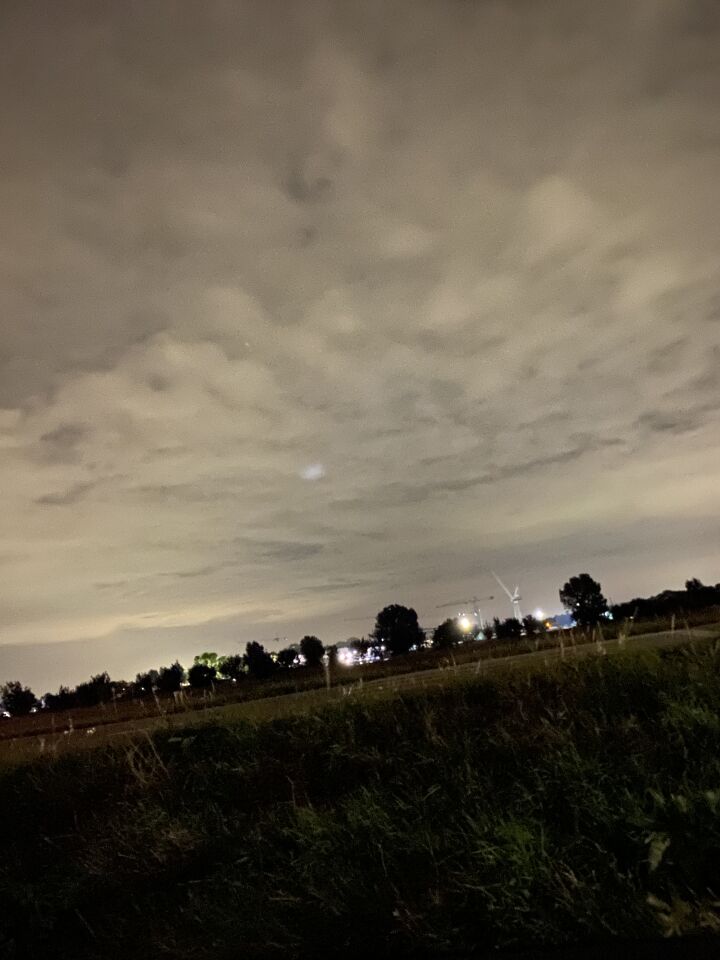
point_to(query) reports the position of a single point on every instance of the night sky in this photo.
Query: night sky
(308, 307)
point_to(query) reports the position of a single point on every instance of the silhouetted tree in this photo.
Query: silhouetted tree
(232, 666)
(532, 626)
(695, 596)
(146, 682)
(508, 629)
(120, 689)
(287, 657)
(17, 699)
(398, 628)
(97, 689)
(447, 634)
(488, 631)
(699, 596)
(583, 598)
(332, 654)
(170, 678)
(312, 649)
(201, 676)
(259, 662)
(64, 699)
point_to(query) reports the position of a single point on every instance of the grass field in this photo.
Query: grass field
(139, 710)
(572, 801)
(49, 732)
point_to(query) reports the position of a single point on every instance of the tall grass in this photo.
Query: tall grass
(50, 724)
(579, 804)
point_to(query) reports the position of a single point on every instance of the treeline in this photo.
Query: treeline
(397, 632)
(696, 596)
(207, 669)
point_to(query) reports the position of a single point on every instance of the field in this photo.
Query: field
(574, 801)
(307, 689)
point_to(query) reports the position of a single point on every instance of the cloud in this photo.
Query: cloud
(669, 423)
(310, 180)
(66, 435)
(291, 551)
(62, 444)
(327, 315)
(67, 497)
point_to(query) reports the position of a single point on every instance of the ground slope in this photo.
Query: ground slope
(574, 804)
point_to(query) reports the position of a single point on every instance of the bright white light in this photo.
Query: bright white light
(539, 615)
(465, 623)
(314, 471)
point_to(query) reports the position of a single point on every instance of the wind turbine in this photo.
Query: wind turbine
(513, 597)
(474, 603)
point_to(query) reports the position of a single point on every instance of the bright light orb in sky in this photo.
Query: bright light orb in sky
(314, 471)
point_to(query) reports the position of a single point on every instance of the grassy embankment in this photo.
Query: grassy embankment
(574, 804)
(52, 724)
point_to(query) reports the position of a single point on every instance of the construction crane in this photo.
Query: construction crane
(474, 604)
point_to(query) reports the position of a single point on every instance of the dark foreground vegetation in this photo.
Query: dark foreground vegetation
(575, 805)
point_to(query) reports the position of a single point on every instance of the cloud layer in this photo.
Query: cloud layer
(308, 308)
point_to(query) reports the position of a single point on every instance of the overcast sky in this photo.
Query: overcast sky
(308, 307)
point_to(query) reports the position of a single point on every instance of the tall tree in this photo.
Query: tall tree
(259, 662)
(533, 626)
(583, 598)
(64, 699)
(287, 657)
(508, 629)
(171, 678)
(232, 667)
(201, 676)
(98, 689)
(398, 628)
(312, 649)
(146, 682)
(447, 634)
(17, 699)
